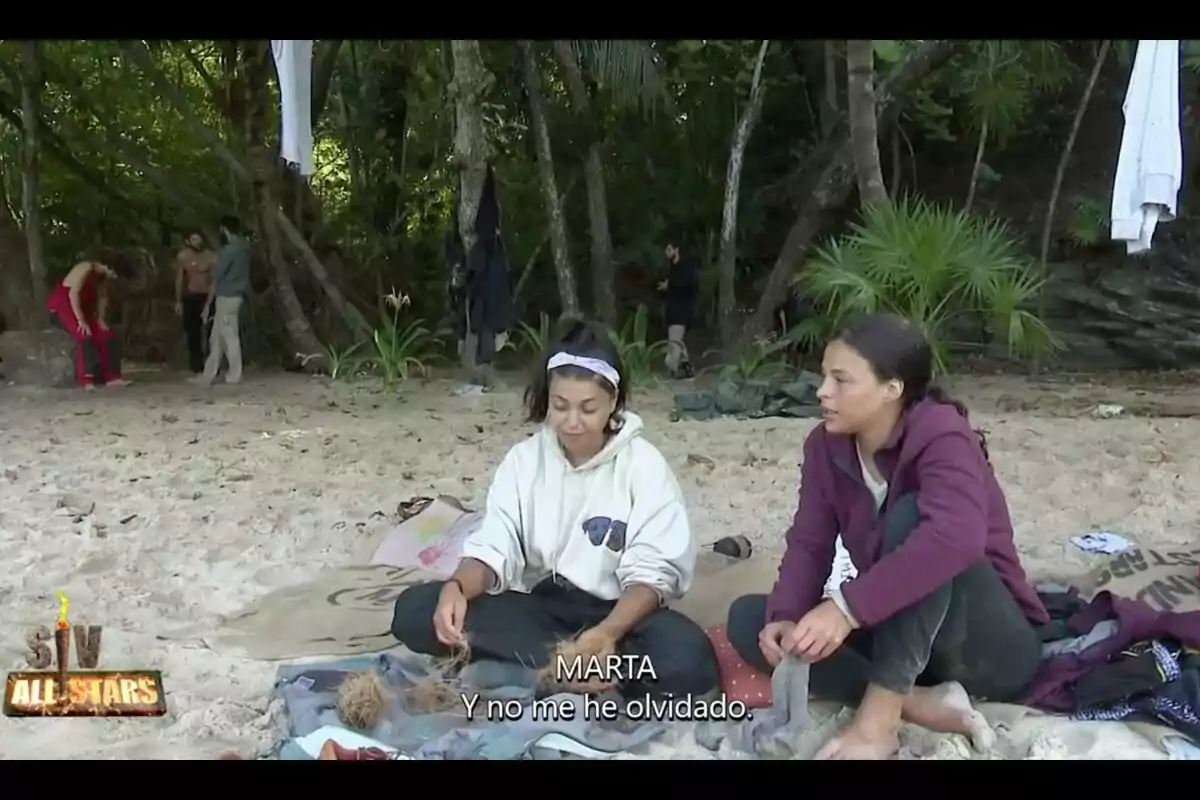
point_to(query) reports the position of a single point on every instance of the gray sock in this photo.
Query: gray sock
(783, 731)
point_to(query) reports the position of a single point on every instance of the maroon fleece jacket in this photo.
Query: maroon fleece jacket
(963, 518)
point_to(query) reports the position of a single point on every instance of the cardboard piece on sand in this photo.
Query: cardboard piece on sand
(719, 581)
(1163, 579)
(348, 611)
(345, 611)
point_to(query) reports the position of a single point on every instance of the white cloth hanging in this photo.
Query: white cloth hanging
(1150, 165)
(293, 63)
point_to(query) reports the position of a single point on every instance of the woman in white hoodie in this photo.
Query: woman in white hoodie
(584, 535)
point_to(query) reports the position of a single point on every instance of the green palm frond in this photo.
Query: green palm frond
(935, 266)
(629, 69)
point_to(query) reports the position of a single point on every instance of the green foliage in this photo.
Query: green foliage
(402, 347)
(888, 51)
(533, 341)
(639, 355)
(344, 363)
(937, 267)
(627, 68)
(138, 173)
(810, 334)
(997, 81)
(1088, 222)
(763, 360)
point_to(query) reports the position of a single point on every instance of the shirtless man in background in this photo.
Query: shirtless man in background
(193, 279)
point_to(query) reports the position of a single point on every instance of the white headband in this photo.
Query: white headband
(596, 366)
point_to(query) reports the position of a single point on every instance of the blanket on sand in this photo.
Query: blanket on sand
(496, 714)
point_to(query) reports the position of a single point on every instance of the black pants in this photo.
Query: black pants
(195, 329)
(970, 630)
(525, 628)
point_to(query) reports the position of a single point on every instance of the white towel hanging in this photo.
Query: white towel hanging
(293, 62)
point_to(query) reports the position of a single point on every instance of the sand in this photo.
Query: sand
(206, 499)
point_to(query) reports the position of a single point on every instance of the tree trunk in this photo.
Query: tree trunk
(527, 271)
(1059, 174)
(727, 267)
(31, 201)
(864, 133)
(323, 67)
(1065, 158)
(545, 164)
(16, 312)
(472, 151)
(833, 184)
(976, 165)
(829, 106)
(307, 348)
(603, 276)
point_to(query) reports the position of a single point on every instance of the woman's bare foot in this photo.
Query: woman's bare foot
(861, 742)
(947, 708)
(118, 383)
(89, 387)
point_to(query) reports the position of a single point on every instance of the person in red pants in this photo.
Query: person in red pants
(78, 304)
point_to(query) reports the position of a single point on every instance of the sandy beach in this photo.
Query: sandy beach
(158, 507)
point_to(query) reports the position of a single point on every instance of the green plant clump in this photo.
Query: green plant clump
(947, 271)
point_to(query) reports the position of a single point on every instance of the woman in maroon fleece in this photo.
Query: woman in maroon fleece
(940, 609)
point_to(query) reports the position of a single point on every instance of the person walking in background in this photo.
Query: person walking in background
(682, 292)
(193, 281)
(230, 282)
(79, 305)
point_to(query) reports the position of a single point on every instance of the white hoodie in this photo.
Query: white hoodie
(543, 515)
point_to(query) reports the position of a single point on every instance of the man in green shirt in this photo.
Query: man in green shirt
(230, 282)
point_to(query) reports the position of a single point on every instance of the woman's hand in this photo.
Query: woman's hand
(819, 632)
(84, 328)
(450, 616)
(771, 639)
(102, 324)
(592, 646)
(596, 642)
